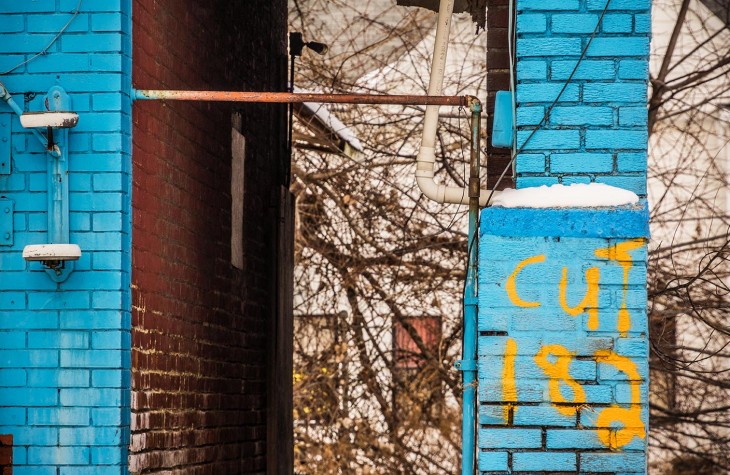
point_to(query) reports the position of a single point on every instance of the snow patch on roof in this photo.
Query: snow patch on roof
(577, 195)
(333, 123)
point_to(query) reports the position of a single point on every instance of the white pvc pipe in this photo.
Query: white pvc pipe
(426, 154)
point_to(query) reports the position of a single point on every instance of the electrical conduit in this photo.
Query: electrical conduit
(468, 365)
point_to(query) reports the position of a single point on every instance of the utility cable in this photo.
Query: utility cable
(550, 108)
(45, 50)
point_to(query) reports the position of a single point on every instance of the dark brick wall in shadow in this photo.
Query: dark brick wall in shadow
(200, 325)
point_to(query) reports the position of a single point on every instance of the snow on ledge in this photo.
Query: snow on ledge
(577, 195)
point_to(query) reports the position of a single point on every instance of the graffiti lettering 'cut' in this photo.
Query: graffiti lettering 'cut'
(590, 300)
(620, 253)
(511, 285)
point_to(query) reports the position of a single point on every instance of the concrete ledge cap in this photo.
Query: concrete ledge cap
(630, 221)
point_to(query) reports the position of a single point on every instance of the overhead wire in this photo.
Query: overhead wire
(514, 150)
(55, 38)
(552, 105)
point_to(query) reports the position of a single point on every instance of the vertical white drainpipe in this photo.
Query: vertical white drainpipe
(427, 155)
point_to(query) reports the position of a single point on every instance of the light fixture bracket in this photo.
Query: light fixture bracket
(57, 119)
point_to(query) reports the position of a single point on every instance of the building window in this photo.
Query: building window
(238, 156)
(407, 352)
(416, 369)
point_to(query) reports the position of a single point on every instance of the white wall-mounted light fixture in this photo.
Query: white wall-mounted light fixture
(53, 256)
(58, 255)
(49, 121)
(63, 120)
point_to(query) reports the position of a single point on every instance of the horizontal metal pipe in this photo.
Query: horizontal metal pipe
(289, 97)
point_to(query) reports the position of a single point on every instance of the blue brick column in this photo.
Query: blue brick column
(597, 132)
(65, 348)
(563, 348)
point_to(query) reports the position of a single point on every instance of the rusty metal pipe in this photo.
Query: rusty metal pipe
(290, 97)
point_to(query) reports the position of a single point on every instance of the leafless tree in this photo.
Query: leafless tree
(689, 271)
(380, 269)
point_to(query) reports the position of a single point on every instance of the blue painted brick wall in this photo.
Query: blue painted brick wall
(601, 117)
(558, 390)
(64, 349)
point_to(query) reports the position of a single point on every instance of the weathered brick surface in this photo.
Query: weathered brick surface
(6, 454)
(64, 356)
(200, 325)
(600, 119)
(497, 64)
(563, 366)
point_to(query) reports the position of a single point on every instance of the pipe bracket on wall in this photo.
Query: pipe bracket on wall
(56, 255)
(57, 100)
(465, 365)
(5, 150)
(7, 208)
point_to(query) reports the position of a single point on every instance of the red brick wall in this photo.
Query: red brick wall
(497, 80)
(6, 454)
(200, 326)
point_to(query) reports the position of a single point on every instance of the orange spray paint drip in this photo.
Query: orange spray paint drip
(620, 254)
(509, 386)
